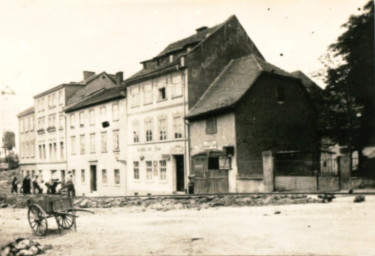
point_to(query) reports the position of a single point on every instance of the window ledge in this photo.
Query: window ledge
(177, 96)
(161, 100)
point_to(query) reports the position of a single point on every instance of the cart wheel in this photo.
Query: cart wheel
(65, 221)
(37, 220)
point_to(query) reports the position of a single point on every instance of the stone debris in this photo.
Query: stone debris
(23, 247)
(166, 203)
(359, 199)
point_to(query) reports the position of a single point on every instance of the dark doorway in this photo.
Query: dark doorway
(93, 178)
(180, 174)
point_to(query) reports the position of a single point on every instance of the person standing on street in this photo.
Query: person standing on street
(26, 184)
(14, 185)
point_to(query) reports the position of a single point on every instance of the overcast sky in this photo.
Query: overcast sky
(44, 43)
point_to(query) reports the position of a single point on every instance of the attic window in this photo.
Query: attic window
(103, 77)
(280, 94)
(171, 58)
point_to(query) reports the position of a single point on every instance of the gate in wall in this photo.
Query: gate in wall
(209, 176)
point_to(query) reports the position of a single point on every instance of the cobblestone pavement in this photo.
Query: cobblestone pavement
(338, 228)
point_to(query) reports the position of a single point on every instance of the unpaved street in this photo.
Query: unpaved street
(338, 228)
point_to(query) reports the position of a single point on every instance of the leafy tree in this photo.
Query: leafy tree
(349, 113)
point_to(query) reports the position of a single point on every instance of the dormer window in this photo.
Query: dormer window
(171, 58)
(280, 94)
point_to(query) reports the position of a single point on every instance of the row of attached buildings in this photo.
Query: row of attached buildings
(206, 106)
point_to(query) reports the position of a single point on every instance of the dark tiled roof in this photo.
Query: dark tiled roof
(98, 97)
(57, 88)
(312, 88)
(232, 83)
(191, 40)
(28, 111)
(178, 49)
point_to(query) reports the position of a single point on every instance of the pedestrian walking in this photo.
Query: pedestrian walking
(36, 185)
(14, 185)
(26, 184)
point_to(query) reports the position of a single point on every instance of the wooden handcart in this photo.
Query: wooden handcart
(42, 208)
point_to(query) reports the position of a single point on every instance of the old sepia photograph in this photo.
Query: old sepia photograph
(187, 127)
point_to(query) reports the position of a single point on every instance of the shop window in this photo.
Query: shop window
(136, 170)
(213, 163)
(163, 170)
(149, 170)
(117, 176)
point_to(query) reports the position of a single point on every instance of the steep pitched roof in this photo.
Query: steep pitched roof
(27, 111)
(57, 88)
(313, 89)
(177, 48)
(98, 97)
(191, 40)
(232, 83)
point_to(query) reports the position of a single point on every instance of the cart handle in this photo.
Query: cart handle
(65, 213)
(79, 210)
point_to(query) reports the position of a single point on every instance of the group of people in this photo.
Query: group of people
(29, 184)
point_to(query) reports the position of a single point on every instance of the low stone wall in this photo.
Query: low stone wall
(165, 203)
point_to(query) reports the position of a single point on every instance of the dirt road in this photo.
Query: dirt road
(338, 228)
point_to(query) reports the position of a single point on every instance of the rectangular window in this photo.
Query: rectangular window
(163, 169)
(117, 176)
(162, 128)
(149, 170)
(104, 176)
(55, 150)
(32, 148)
(81, 119)
(31, 123)
(50, 150)
(73, 145)
(135, 131)
(44, 151)
(82, 144)
(92, 116)
(136, 170)
(92, 143)
(134, 97)
(83, 176)
(116, 140)
(61, 122)
(51, 121)
(103, 114)
(103, 138)
(211, 125)
(72, 121)
(176, 86)
(148, 129)
(62, 150)
(60, 98)
(177, 127)
(147, 94)
(162, 94)
(115, 115)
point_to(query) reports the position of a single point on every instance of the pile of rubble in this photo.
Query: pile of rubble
(22, 246)
(165, 203)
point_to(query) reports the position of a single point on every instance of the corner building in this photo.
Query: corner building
(161, 94)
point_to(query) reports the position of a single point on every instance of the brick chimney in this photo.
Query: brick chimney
(87, 74)
(201, 29)
(119, 77)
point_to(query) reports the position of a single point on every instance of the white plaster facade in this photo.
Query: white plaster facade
(96, 154)
(27, 154)
(224, 136)
(157, 158)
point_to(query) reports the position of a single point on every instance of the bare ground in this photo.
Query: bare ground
(338, 228)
